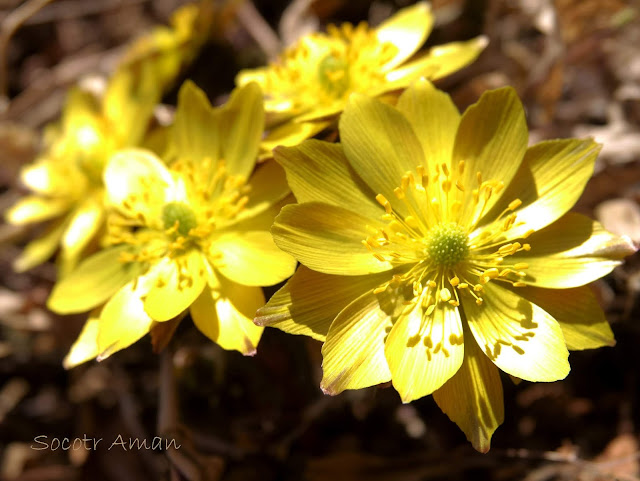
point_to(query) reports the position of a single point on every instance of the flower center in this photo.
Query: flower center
(180, 214)
(333, 74)
(447, 244)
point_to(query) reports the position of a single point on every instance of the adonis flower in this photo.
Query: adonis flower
(67, 177)
(312, 80)
(193, 236)
(438, 250)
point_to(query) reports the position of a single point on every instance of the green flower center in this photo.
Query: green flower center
(447, 244)
(333, 74)
(182, 214)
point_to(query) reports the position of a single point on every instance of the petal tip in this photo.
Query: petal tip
(259, 319)
(328, 390)
(481, 41)
(630, 246)
(482, 447)
(68, 363)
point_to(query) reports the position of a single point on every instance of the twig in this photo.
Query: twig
(167, 398)
(9, 26)
(259, 29)
(572, 460)
(72, 9)
(129, 411)
(42, 99)
(186, 460)
(309, 416)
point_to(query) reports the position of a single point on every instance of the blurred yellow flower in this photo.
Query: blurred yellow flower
(67, 177)
(312, 80)
(193, 236)
(439, 249)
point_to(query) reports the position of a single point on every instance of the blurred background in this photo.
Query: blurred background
(575, 64)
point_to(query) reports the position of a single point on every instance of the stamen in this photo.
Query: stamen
(382, 200)
(445, 294)
(514, 204)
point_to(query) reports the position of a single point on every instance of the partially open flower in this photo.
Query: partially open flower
(193, 236)
(312, 80)
(439, 249)
(67, 177)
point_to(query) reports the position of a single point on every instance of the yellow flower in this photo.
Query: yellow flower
(67, 186)
(67, 177)
(312, 80)
(193, 236)
(439, 249)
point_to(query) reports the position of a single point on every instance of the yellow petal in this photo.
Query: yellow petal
(353, 354)
(310, 300)
(473, 397)
(327, 239)
(132, 94)
(93, 282)
(423, 353)
(267, 187)
(123, 319)
(258, 75)
(83, 226)
(80, 107)
(406, 30)
(137, 182)
(291, 133)
(259, 220)
(518, 336)
(176, 283)
(549, 182)
(44, 177)
(34, 208)
(380, 144)
(319, 171)
(241, 126)
(39, 250)
(491, 139)
(577, 311)
(226, 316)
(86, 346)
(251, 258)
(327, 113)
(196, 129)
(439, 62)
(571, 252)
(434, 119)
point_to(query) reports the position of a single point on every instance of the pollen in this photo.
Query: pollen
(447, 244)
(180, 215)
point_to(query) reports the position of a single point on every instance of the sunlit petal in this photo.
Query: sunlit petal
(326, 238)
(424, 352)
(406, 30)
(319, 171)
(472, 398)
(353, 354)
(137, 182)
(309, 302)
(251, 258)
(518, 336)
(577, 311)
(571, 252)
(86, 346)
(225, 316)
(176, 284)
(93, 282)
